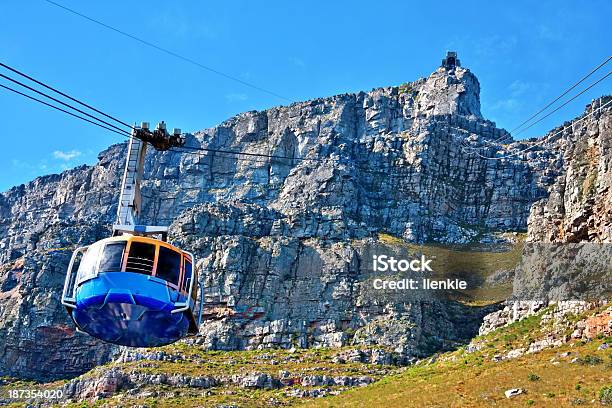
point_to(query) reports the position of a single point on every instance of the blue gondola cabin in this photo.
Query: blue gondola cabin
(133, 291)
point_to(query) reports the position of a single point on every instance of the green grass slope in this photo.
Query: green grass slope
(577, 373)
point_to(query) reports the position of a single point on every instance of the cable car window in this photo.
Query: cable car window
(187, 277)
(87, 267)
(141, 258)
(194, 292)
(169, 265)
(112, 257)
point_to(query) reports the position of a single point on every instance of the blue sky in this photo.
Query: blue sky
(523, 52)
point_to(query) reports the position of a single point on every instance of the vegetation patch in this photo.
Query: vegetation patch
(550, 378)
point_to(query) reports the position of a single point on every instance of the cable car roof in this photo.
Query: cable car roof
(137, 238)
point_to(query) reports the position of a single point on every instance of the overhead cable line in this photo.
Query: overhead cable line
(205, 149)
(62, 103)
(184, 149)
(473, 151)
(504, 138)
(233, 157)
(169, 52)
(566, 102)
(557, 108)
(545, 138)
(60, 109)
(562, 95)
(63, 94)
(508, 135)
(109, 126)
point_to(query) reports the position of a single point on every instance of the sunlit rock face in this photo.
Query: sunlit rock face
(278, 239)
(579, 204)
(450, 91)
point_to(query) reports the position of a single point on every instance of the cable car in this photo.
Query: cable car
(134, 289)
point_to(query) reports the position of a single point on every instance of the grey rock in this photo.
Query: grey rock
(514, 353)
(256, 380)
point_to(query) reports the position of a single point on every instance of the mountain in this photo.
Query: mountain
(284, 243)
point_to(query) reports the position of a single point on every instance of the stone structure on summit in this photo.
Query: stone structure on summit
(451, 61)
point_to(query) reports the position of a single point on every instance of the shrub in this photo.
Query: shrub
(533, 377)
(590, 360)
(605, 395)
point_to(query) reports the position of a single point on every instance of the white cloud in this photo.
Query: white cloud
(236, 97)
(66, 156)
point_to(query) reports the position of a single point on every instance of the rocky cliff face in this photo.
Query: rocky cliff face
(579, 205)
(279, 239)
(568, 259)
(570, 230)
